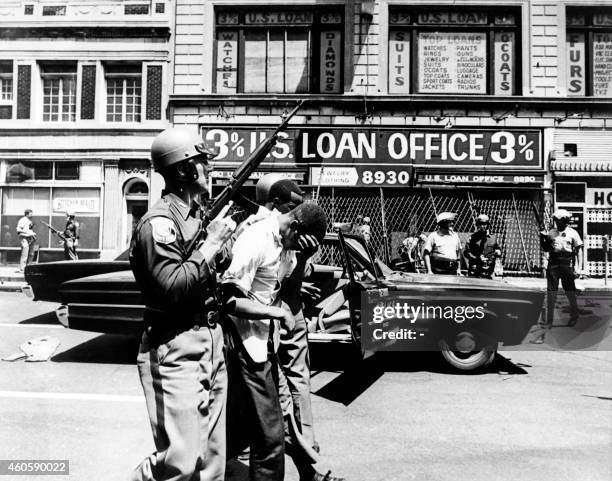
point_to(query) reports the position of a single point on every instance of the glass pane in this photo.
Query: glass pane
(81, 201)
(67, 170)
(504, 63)
(276, 56)
(255, 61)
(602, 64)
(576, 64)
(298, 62)
(399, 62)
(452, 62)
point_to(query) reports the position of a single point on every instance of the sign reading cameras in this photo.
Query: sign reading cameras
(495, 149)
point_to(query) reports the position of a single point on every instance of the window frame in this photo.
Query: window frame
(137, 107)
(61, 72)
(489, 29)
(314, 30)
(588, 30)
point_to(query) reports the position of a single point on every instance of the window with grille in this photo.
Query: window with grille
(136, 9)
(54, 10)
(59, 92)
(6, 82)
(589, 51)
(279, 51)
(443, 50)
(123, 93)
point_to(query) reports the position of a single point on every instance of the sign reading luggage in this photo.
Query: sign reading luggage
(459, 148)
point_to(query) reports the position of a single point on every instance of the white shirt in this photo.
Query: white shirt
(259, 266)
(24, 227)
(565, 241)
(443, 246)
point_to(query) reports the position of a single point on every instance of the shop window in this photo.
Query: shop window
(15, 200)
(123, 92)
(67, 170)
(443, 50)
(279, 51)
(570, 192)
(6, 89)
(59, 92)
(22, 171)
(589, 51)
(54, 10)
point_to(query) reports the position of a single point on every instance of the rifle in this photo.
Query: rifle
(240, 176)
(59, 233)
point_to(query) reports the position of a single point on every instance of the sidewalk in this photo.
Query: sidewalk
(11, 279)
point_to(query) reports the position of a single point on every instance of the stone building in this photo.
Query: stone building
(83, 92)
(414, 107)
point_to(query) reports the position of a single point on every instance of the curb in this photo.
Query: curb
(12, 286)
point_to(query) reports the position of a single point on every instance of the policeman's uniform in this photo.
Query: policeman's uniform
(481, 244)
(561, 246)
(71, 234)
(181, 361)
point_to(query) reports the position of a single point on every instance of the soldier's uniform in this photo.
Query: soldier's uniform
(180, 361)
(481, 244)
(71, 234)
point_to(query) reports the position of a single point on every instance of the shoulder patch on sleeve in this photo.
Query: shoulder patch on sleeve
(163, 230)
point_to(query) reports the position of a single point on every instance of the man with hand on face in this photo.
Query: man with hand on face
(181, 360)
(264, 257)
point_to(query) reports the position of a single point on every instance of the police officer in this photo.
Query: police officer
(71, 237)
(482, 250)
(180, 361)
(564, 246)
(442, 249)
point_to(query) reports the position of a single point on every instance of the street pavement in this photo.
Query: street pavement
(538, 413)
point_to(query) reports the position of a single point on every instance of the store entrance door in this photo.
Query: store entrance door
(136, 194)
(135, 210)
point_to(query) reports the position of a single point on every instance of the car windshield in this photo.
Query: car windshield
(357, 247)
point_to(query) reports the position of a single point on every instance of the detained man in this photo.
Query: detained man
(263, 256)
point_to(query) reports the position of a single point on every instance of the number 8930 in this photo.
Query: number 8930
(389, 177)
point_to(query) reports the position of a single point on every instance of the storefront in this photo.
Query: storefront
(402, 177)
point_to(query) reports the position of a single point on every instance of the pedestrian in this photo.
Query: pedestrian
(366, 230)
(181, 360)
(482, 250)
(442, 249)
(564, 248)
(71, 237)
(263, 257)
(26, 237)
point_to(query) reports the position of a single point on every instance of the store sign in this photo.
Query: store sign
(598, 197)
(77, 205)
(360, 176)
(331, 61)
(504, 63)
(602, 64)
(227, 61)
(457, 148)
(452, 62)
(227, 174)
(576, 64)
(480, 179)
(399, 62)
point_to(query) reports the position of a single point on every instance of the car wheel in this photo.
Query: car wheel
(463, 353)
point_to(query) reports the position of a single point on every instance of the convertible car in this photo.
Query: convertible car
(350, 280)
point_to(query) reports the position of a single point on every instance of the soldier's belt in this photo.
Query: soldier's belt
(162, 320)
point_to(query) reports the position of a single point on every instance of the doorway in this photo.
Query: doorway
(136, 194)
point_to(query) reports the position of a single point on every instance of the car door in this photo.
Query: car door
(363, 276)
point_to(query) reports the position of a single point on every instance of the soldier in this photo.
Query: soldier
(71, 237)
(181, 361)
(564, 246)
(442, 249)
(482, 250)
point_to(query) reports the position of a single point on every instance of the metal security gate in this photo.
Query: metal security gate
(413, 211)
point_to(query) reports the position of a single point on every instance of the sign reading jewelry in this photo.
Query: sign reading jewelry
(492, 149)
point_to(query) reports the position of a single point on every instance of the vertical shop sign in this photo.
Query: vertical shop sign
(227, 61)
(331, 61)
(504, 63)
(602, 64)
(576, 64)
(399, 62)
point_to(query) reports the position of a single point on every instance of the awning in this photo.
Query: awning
(577, 165)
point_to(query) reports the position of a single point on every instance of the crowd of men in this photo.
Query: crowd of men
(224, 359)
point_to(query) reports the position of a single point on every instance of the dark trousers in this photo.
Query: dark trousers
(254, 412)
(560, 270)
(439, 266)
(70, 253)
(184, 379)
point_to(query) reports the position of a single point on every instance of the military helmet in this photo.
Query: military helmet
(562, 214)
(482, 219)
(276, 185)
(177, 144)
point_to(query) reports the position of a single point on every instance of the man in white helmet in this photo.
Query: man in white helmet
(564, 248)
(72, 232)
(181, 360)
(442, 249)
(482, 250)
